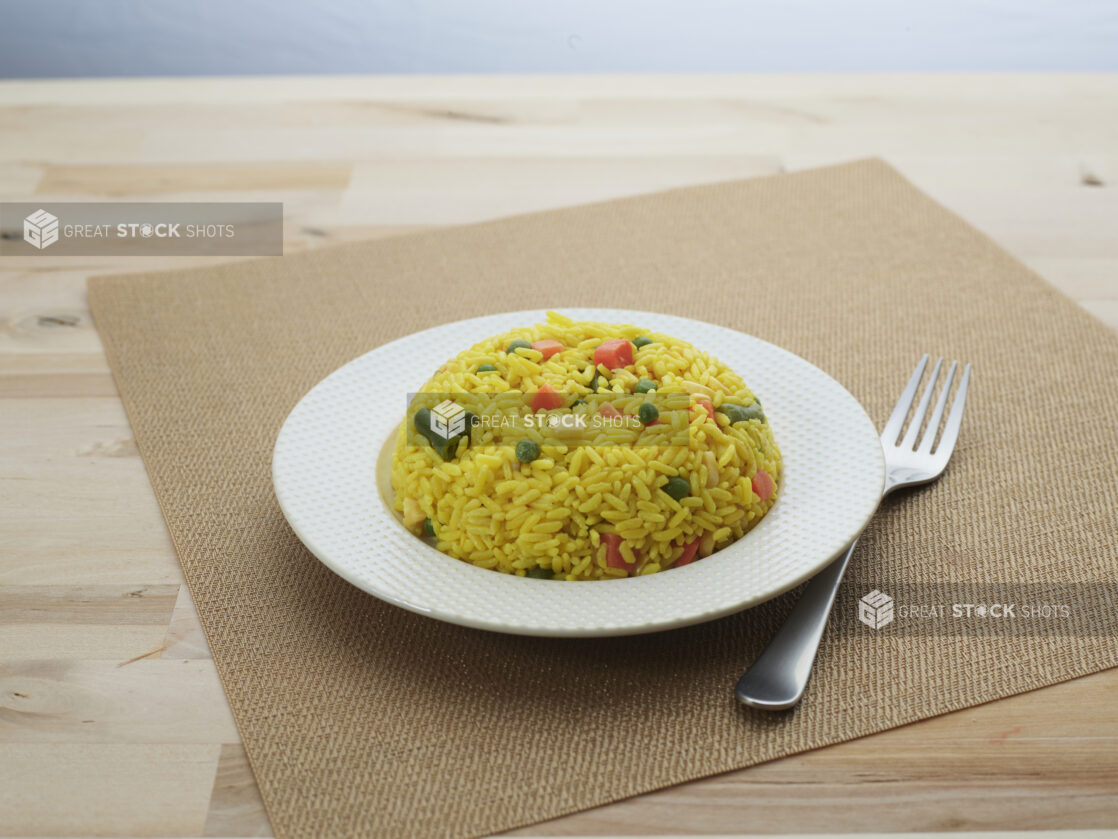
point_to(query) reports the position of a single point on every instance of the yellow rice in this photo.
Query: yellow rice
(549, 516)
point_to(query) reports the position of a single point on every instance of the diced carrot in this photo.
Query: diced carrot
(614, 353)
(609, 410)
(546, 398)
(613, 549)
(763, 484)
(614, 559)
(548, 348)
(707, 406)
(688, 555)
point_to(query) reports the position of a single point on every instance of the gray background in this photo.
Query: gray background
(207, 37)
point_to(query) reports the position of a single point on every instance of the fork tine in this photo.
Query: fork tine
(909, 441)
(892, 431)
(937, 415)
(955, 418)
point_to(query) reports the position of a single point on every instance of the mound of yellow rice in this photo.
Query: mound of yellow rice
(603, 501)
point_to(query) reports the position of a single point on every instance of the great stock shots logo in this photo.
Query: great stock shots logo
(448, 419)
(40, 229)
(875, 610)
(139, 228)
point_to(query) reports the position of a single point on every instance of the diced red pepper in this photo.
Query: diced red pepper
(614, 557)
(546, 398)
(548, 348)
(690, 550)
(706, 405)
(614, 353)
(763, 485)
(609, 410)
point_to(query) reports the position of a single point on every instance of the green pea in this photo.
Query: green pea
(517, 345)
(540, 573)
(677, 488)
(642, 341)
(486, 368)
(644, 386)
(527, 451)
(578, 402)
(648, 413)
(742, 413)
(428, 527)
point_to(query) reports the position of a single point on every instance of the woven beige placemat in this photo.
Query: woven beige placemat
(361, 719)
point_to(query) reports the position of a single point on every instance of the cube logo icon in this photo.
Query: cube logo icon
(448, 419)
(40, 229)
(875, 610)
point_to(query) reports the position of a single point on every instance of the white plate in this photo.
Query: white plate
(325, 471)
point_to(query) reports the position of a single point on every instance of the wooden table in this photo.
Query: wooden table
(112, 719)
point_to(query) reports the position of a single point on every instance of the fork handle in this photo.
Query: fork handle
(777, 679)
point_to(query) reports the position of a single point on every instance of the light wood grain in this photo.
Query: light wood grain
(140, 699)
(107, 789)
(112, 719)
(86, 621)
(122, 180)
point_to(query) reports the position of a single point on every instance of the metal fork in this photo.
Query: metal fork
(779, 675)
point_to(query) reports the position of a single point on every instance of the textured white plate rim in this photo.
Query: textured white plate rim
(541, 607)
